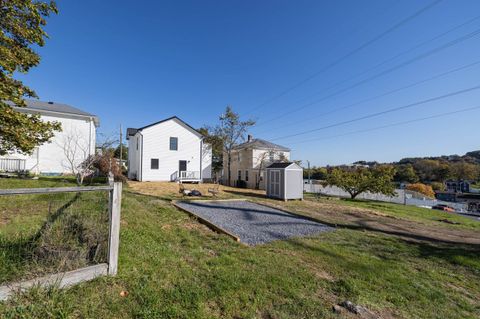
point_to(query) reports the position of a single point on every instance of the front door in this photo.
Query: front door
(182, 166)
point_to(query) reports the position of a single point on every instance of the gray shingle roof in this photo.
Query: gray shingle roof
(57, 108)
(280, 165)
(260, 144)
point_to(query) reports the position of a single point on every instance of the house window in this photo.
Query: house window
(173, 143)
(154, 163)
(239, 175)
(246, 176)
(238, 157)
(137, 143)
(271, 156)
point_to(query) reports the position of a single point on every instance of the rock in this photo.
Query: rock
(358, 310)
(349, 306)
(337, 309)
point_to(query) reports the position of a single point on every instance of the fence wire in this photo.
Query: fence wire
(51, 233)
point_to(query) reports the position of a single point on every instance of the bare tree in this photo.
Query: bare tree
(264, 159)
(79, 156)
(231, 131)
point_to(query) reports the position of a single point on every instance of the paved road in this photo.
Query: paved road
(474, 217)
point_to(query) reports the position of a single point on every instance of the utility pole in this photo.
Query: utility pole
(309, 176)
(121, 146)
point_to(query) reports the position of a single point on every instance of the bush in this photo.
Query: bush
(241, 184)
(105, 163)
(426, 190)
(437, 186)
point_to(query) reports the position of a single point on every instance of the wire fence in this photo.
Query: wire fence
(401, 196)
(54, 232)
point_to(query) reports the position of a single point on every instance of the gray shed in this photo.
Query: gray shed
(284, 181)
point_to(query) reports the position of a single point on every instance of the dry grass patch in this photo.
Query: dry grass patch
(170, 190)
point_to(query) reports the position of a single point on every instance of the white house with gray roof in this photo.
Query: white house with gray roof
(168, 150)
(249, 160)
(69, 147)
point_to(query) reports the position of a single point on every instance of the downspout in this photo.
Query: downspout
(90, 137)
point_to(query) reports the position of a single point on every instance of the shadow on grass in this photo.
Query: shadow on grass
(246, 193)
(20, 252)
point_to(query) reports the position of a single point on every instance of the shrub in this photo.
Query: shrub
(437, 186)
(426, 190)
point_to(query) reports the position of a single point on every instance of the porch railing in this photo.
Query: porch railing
(189, 175)
(12, 165)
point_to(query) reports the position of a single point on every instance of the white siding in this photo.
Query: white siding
(156, 144)
(207, 161)
(134, 155)
(50, 157)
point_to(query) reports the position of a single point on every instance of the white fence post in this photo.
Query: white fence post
(114, 234)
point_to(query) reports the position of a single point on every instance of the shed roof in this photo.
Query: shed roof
(260, 144)
(53, 107)
(283, 165)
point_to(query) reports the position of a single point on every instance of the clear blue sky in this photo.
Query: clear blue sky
(136, 62)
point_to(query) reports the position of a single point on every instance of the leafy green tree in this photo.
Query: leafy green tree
(359, 180)
(116, 153)
(21, 28)
(319, 173)
(465, 171)
(217, 147)
(231, 131)
(406, 173)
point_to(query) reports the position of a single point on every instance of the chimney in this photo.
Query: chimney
(250, 137)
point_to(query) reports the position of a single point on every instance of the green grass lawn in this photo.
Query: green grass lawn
(418, 214)
(47, 233)
(173, 267)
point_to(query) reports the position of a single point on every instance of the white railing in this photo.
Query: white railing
(189, 175)
(12, 165)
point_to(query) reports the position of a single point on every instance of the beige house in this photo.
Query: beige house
(249, 160)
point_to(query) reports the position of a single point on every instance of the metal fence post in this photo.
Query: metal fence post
(114, 233)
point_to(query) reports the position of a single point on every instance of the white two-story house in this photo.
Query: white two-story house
(168, 150)
(69, 147)
(249, 160)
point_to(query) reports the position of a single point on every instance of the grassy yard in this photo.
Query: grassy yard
(413, 213)
(173, 267)
(47, 233)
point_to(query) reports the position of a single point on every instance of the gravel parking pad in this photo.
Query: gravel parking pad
(253, 223)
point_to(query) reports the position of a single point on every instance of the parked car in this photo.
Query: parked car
(444, 208)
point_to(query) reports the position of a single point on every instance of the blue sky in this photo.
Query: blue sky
(136, 62)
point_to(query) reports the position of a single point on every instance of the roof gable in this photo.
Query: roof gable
(260, 144)
(132, 131)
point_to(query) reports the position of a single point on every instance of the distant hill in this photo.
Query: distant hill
(470, 157)
(430, 170)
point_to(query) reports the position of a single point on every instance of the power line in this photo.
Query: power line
(385, 72)
(437, 76)
(438, 36)
(383, 112)
(351, 53)
(389, 125)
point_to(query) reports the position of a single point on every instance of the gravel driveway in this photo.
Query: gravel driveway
(253, 223)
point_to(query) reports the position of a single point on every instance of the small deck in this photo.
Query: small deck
(186, 177)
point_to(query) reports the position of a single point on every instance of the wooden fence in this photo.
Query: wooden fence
(69, 278)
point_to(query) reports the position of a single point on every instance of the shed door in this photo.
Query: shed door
(274, 179)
